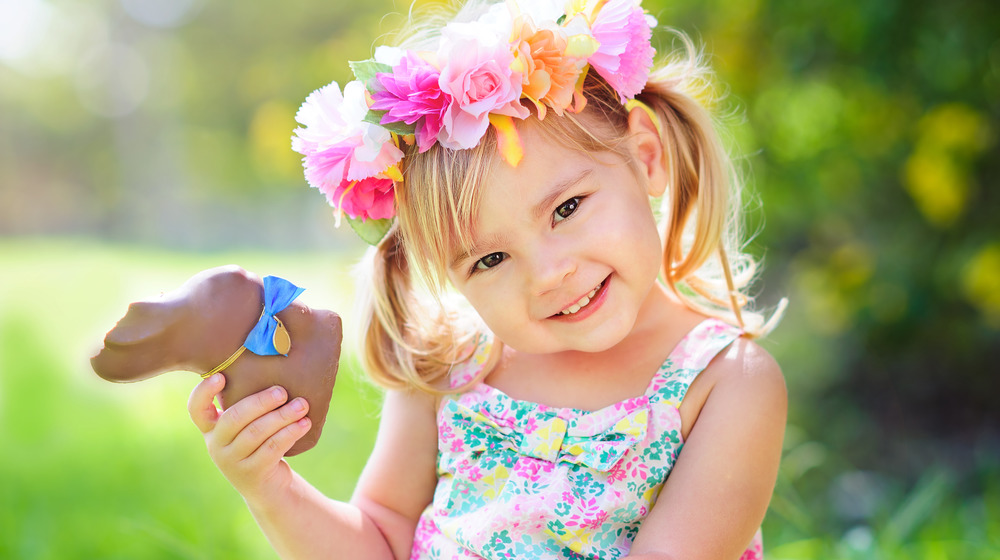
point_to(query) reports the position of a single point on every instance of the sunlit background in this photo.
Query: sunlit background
(144, 140)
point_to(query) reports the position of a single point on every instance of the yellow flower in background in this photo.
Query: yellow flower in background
(938, 174)
(981, 282)
(269, 144)
(938, 186)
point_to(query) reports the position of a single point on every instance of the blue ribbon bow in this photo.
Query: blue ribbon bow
(278, 294)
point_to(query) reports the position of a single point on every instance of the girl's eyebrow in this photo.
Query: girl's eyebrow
(557, 191)
(537, 212)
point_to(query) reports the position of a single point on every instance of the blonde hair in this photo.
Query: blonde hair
(412, 335)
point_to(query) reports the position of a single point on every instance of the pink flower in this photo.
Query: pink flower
(478, 80)
(617, 472)
(531, 425)
(412, 94)
(370, 198)
(475, 474)
(346, 158)
(445, 432)
(625, 55)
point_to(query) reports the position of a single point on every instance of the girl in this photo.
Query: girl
(511, 154)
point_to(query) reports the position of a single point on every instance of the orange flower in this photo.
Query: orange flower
(548, 74)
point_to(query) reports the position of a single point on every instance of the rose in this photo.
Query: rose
(478, 79)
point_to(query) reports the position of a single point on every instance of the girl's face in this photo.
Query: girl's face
(566, 250)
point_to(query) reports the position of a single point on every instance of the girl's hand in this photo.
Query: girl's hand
(248, 440)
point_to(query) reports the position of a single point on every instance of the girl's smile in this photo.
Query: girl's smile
(565, 249)
(585, 306)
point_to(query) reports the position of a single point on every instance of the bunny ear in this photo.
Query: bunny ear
(134, 349)
(143, 320)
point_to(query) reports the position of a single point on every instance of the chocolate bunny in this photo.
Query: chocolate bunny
(203, 327)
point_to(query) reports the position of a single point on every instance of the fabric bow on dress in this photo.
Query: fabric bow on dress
(597, 440)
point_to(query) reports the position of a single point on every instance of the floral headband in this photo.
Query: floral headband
(534, 50)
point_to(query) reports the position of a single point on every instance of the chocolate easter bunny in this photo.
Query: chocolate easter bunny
(203, 327)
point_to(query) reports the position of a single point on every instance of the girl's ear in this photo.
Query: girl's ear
(648, 149)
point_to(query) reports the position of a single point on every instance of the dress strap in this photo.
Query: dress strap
(689, 358)
(466, 371)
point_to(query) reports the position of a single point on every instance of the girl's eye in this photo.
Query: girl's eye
(566, 209)
(489, 261)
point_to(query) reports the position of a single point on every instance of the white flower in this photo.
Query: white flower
(497, 18)
(541, 12)
(389, 55)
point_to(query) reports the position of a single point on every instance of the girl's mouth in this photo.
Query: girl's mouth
(584, 305)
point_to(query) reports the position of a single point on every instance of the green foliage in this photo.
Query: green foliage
(398, 127)
(367, 70)
(370, 231)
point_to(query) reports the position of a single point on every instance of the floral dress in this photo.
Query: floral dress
(522, 480)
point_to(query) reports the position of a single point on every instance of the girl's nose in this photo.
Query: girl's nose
(550, 267)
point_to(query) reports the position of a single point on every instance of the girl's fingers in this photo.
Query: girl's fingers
(201, 403)
(275, 447)
(245, 412)
(271, 431)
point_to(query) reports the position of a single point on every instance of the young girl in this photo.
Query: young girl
(511, 154)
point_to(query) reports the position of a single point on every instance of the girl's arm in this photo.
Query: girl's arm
(715, 498)
(247, 443)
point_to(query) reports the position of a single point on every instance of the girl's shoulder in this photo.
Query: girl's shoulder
(753, 372)
(747, 364)
(742, 380)
(723, 352)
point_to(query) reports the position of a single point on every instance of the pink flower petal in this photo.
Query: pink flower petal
(363, 168)
(412, 93)
(625, 55)
(478, 79)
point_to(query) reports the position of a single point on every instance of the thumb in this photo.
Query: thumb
(201, 404)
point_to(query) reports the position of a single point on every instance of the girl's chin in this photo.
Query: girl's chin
(604, 338)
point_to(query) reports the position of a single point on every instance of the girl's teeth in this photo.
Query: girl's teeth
(583, 301)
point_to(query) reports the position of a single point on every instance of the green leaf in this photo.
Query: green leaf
(366, 70)
(371, 231)
(399, 127)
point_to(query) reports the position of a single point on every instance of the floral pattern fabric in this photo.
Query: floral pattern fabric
(522, 480)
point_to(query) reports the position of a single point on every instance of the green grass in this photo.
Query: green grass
(95, 470)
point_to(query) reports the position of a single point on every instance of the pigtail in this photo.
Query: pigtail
(386, 310)
(703, 264)
(407, 341)
(383, 286)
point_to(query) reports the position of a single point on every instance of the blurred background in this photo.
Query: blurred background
(144, 140)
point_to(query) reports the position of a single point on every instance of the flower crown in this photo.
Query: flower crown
(534, 50)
